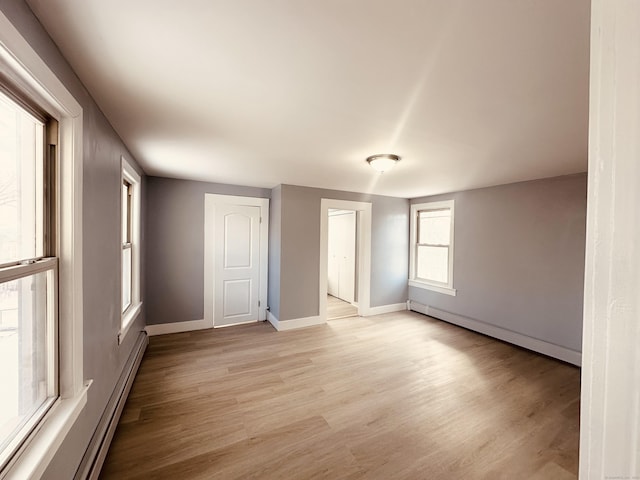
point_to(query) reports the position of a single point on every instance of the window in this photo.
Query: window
(41, 288)
(126, 245)
(432, 246)
(130, 239)
(28, 274)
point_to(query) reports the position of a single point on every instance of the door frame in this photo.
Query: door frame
(363, 231)
(210, 202)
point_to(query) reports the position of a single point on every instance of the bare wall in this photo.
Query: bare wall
(175, 251)
(275, 244)
(519, 258)
(300, 249)
(104, 359)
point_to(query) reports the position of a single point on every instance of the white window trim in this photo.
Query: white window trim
(131, 313)
(24, 67)
(447, 288)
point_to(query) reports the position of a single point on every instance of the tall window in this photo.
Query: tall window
(28, 272)
(432, 252)
(130, 205)
(127, 246)
(42, 383)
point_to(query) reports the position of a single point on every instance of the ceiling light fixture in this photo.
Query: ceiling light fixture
(383, 162)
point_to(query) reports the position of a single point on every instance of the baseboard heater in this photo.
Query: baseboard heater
(509, 336)
(96, 452)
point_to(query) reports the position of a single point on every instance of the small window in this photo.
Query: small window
(28, 274)
(432, 251)
(130, 241)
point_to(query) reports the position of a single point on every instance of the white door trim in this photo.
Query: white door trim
(364, 252)
(210, 202)
(610, 406)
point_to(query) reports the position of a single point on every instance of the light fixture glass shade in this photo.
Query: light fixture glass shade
(383, 163)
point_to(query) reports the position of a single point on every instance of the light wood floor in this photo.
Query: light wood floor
(396, 396)
(337, 308)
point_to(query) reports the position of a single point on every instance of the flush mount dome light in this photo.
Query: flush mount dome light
(384, 162)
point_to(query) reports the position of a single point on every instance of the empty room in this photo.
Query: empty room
(342, 240)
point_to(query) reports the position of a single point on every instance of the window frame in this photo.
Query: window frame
(30, 75)
(44, 260)
(414, 281)
(130, 313)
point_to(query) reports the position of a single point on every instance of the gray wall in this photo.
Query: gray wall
(519, 258)
(275, 245)
(103, 357)
(175, 251)
(299, 250)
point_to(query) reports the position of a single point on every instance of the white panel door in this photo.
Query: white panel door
(347, 280)
(237, 264)
(333, 265)
(341, 253)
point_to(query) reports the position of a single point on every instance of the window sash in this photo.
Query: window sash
(27, 426)
(127, 212)
(26, 268)
(417, 263)
(419, 244)
(419, 226)
(127, 277)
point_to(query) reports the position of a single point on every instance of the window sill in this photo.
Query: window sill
(127, 320)
(433, 288)
(33, 460)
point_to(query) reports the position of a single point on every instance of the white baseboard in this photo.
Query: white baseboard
(177, 327)
(540, 346)
(393, 307)
(282, 325)
(417, 307)
(271, 318)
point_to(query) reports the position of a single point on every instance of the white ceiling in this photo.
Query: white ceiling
(262, 92)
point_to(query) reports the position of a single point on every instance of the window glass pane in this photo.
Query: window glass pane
(23, 352)
(125, 212)
(433, 263)
(21, 153)
(435, 227)
(126, 278)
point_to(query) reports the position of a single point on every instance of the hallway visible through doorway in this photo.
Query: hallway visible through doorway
(337, 308)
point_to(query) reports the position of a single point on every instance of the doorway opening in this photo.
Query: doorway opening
(345, 259)
(342, 264)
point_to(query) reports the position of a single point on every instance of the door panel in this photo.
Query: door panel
(341, 253)
(348, 261)
(237, 241)
(237, 298)
(333, 267)
(237, 266)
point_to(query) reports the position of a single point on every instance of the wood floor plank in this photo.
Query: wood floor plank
(399, 395)
(338, 308)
